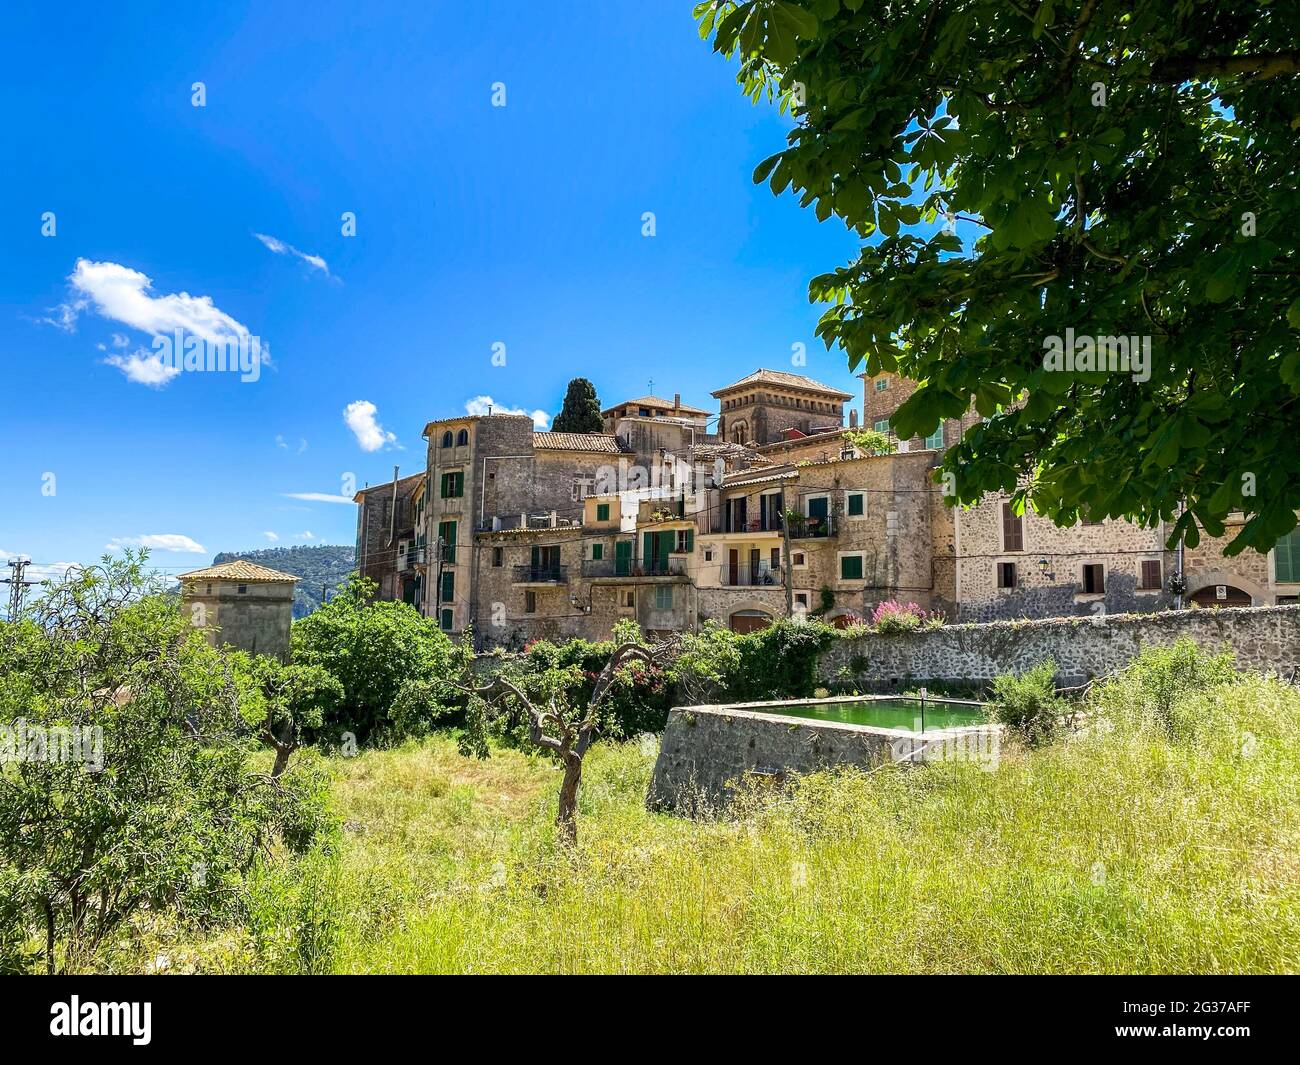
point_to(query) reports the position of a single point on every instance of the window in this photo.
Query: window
(453, 485)
(708, 555)
(1286, 558)
(530, 602)
(629, 599)
(798, 558)
(1094, 578)
(445, 620)
(1013, 530)
(243, 589)
(664, 597)
(1150, 581)
(446, 438)
(462, 438)
(498, 557)
(581, 488)
(850, 567)
(934, 442)
(776, 558)
(882, 425)
(1006, 574)
(856, 504)
(597, 552)
(447, 534)
(602, 512)
(448, 586)
(209, 592)
(685, 541)
(882, 383)
(801, 599)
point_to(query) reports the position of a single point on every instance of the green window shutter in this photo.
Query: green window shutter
(442, 486)
(1286, 556)
(882, 426)
(690, 540)
(649, 551)
(856, 502)
(935, 440)
(448, 585)
(622, 558)
(602, 512)
(851, 568)
(597, 552)
(536, 556)
(446, 620)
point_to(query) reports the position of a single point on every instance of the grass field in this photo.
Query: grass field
(1119, 850)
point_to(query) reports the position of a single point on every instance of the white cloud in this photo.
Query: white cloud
(50, 571)
(304, 536)
(360, 418)
(144, 368)
(317, 497)
(283, 444)
(280, 247)
(119, 293)
(158, 542)
(271, 536)
(481, 405)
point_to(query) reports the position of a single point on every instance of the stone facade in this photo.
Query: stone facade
(241, 604)
(388, 516)
(762, 407)
(1265, 639)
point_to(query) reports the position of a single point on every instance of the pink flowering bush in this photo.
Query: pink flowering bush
(893, 616)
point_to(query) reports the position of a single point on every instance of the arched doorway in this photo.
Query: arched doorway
(1221, 595)
(749, 620)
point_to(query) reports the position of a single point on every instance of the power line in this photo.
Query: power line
(17, 586)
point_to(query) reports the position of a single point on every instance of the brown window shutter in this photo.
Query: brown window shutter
(1013, 535)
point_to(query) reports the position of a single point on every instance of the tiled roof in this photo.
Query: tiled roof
(603, 442)
(240, 570)
(779, 473)
(787, 380)
(654, 401)
(405, 485)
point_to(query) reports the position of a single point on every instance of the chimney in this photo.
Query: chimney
(853, 417)
(677, 401)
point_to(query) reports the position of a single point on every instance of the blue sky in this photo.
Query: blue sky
(475, 225)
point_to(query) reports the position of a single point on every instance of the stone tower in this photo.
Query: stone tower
(242, 604)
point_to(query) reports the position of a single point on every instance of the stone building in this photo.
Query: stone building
(763, 407)
(241, 604)
(523, 534)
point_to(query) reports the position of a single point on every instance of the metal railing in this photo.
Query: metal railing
(546, 574)
(750, 575)
(655, 567)
(811, 528)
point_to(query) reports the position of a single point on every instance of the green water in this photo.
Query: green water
(886, 713)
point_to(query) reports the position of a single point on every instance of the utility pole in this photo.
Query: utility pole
(785, 561)
(17, 586)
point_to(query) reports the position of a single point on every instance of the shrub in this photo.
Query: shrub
(1028, 705)
(892, 616)
(1157, 689)
(373, 649)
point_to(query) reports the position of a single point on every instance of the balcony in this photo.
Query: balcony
(771, 526)
(812, 528)
(555, 574)
(414, 556)
(448, 553)
(751, 575)
(626, 568)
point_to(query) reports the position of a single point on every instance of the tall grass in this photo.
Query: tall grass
(1165, 837)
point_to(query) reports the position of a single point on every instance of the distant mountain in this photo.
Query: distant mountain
(325, 566)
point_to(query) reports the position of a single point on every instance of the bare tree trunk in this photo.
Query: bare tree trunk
(566, 814)
(282, 753)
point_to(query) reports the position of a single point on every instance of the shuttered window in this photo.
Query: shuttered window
(1013, 530)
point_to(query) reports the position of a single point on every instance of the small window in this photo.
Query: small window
(462, 438)
(1013, 530)
(597, 552)
(934, 442)
(776, 558)
(708, 555)
(1151, 581)
(530, 602)
(664, 597)
(685, 541)
(629, 599)
(882, 383)
(882, 425)
(801, 599)
(453, 485)
(1006, 574)
(798, 559)
(857, 504)
(209, 589)
(448, 585)
(1094, 578)
(850, 567)
(243, 589)
(446, 438)
(498, 557)
(445, 620)
(602, 512)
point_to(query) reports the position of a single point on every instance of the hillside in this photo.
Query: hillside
(322, 566)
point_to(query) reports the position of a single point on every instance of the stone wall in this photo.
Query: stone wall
(256, 620)
(1263, 638)
(707, 750)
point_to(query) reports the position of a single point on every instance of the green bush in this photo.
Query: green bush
(1158, 688)
(374, 649)
(1028, 705)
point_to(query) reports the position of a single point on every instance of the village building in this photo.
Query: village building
(241, 604)
(521, 534)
